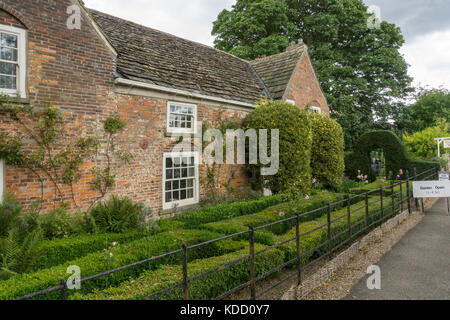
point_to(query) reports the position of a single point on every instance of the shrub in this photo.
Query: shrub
(59, 223)
(327, 151)
(206, 288)
(294, 174)
(10, 210)
(124, 254)
(116, 215)
(394, 151)
(229, 210)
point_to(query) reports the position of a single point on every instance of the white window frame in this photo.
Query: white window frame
(290, 101)
(21, 34)
(186, 202)
(192, 130)
(2, 179)
(315, 109)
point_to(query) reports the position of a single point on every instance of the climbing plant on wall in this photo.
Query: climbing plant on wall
(40, 143)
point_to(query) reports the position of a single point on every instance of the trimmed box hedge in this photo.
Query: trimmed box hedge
(272, 214)
(206, 288)
(192, 219)
(58, 251)
(132, 252)
(320, 236)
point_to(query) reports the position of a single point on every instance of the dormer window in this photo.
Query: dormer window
(12, 61)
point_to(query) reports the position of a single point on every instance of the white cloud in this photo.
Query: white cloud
(190, 19)
(429, 58)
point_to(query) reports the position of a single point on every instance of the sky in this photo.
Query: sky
(424, 23)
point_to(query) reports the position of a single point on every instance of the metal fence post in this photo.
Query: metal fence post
(367, 210)
(185, 273)
(393, 200)
(381, 204)
(329, 227)
(299, 262)
(349, 219)
(415, 199)
(252, 264)
(408, 192)
(64, 289)
(401, 196)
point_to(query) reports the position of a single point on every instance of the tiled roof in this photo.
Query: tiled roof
(276, 70)
(155, 57)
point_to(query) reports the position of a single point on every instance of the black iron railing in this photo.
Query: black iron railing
(399, 199)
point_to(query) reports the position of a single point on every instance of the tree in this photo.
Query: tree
(254, 28)
(431, 105)
(422, 143)
(360, 68)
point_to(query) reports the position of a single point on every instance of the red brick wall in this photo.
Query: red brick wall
(304, 88)
(74, 71)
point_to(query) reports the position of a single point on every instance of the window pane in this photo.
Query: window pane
(190, 193)
(183, 184)
(169, 174)
(169, 163)
(176, 185)
(176, 173)
(177, 162)
(7, 82)
(168, 186)
(8, 68)
(8, 54)
(168, 196)
(190, 183)
(183, 195)
(9, 40)
(184, 173)
(191, 162)
(176, 195)
(191, 172)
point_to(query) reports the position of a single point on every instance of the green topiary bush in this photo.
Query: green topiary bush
(294, 174)
(395, 153)
(327, 151)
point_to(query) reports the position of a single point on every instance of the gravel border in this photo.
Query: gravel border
(343, 280)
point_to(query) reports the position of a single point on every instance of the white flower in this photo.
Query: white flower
(110, 255)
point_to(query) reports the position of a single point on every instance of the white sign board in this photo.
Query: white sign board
(446, 144)
(444, 176)
(431, 189)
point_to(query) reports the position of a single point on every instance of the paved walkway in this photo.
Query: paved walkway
(418, 266)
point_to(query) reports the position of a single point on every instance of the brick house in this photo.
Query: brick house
(160, 84)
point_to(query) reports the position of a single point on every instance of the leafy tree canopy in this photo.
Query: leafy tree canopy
(431, 105)
(360, 68)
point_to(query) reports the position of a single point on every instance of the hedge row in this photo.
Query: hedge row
(320, 236)
(273, 214)
(206, 288)
(58, 251)
(375, 186)
(132, 252)
(229, 210)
